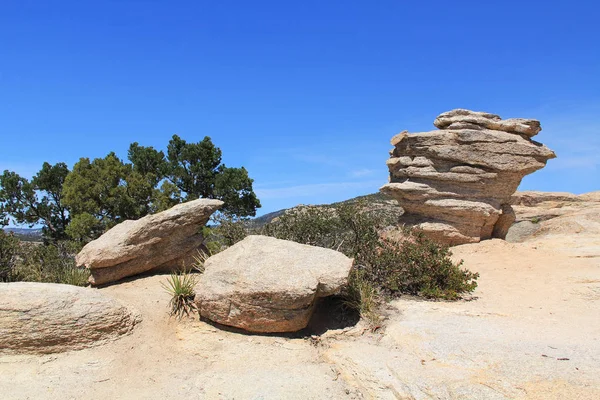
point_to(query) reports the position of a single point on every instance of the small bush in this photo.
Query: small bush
(316, 226)
(181, 288)
(9, 249)
(421, 267)
(229, 230)
(51, 263)
(361, 295)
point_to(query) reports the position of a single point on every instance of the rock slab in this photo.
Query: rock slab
(456, 183)
(164, 241)
(51, 318)
(263, 284)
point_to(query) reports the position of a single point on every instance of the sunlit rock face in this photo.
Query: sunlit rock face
(165, 241)
(455, 183)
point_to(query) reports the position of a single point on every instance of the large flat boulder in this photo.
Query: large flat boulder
(51, 318)
(164, 241)
(263, 284)
(542, 206)
(456, 183)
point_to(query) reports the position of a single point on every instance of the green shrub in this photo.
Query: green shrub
(228, 230)
(361, 295)
(181, 288)
(419, 266)
(316, 226)
(51, 263)
(413, 265)
(9, 248)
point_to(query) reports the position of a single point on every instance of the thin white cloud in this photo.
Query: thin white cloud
(315, 190)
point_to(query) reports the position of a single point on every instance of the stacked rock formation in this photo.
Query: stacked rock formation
(263, 284)
(456, 183)
(164, 241)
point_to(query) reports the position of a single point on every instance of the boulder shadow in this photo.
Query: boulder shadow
(331, 313)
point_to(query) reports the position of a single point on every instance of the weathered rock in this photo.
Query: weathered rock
(263, 284)
(162, 241)
(541, 206)
(456, 183)
(466, 119)
(50, 318)
(554, 213)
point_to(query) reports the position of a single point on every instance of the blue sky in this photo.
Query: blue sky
(305, 95)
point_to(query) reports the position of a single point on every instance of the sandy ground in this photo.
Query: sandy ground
(532, 331)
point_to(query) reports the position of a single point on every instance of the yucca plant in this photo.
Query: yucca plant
(181, 288)
(199, 260)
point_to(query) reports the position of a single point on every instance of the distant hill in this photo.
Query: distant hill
(26, 235)
(377, 200)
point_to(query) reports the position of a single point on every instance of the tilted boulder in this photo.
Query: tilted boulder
(263, 284)
(456, 183)
(51, 318)
(163, 241)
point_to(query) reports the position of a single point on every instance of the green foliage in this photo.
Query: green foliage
(107, 189)
(193, 167)
(234, 187)
(167, 196)
(100, 193)
(196, 170)
(419, 266)
(9, 249)
(181, 288)
(414, 265)
(51, 263)
(148, 162)
(84, 227)
(351, 228)
(228, 230)
(362, 295)
(37, 201)
(316, 226)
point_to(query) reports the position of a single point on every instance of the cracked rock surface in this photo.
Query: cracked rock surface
(456, 183)
(263, 284)
(52, 318)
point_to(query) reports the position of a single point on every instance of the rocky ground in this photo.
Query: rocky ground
(531, 331)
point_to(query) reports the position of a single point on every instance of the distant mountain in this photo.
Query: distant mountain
(376, 200)
(265, 219)
(25, 234)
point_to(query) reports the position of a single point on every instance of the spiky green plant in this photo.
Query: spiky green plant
(199, 260)
(181, 288)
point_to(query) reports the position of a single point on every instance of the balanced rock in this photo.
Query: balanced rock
(456, 183)
(163, 241)
(263, 284)
(50, 318)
